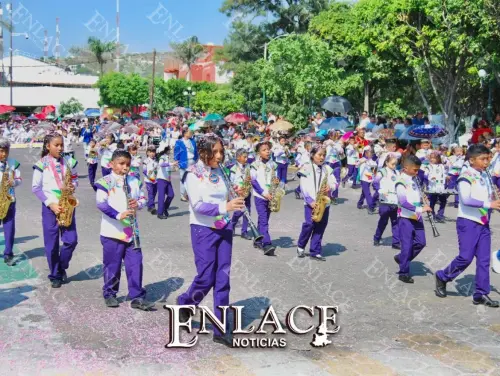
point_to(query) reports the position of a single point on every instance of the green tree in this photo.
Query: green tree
(221, 101)
(101, 51)
(123, 91)
(70, 107)
(188, 52)
(246, 81)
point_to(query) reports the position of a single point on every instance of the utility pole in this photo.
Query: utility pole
(117, 35)
(11, 52)
(152, 86)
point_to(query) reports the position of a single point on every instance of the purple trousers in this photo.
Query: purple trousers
(58, 260)
(212, 256)
(352, 173)
(282, 172)
(263, 212)
(433, 199)
(165, 195)
(336, 172)
(105, 171)
(313, 230)
(452, 184)
(152, 189)
(9, 230)
(238, 214)
(474, 239)
(412, 238)
(92, 172)
(113, 252)
(386, 213)
(366, 194)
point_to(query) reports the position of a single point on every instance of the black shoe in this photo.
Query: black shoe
(246, 236)
(269, 250)
(111, 302)
(406, 279)
(396, 258)
(297, 196)
(154, 211)
(223, 341)
(9, 260)
(162, 216)
(318, 258)
(184, 313)
(55, 283)
(376, 243)
(440, 288)
(258, 246)
(142, 304)
(335, 201)
(485, 300)
(150, 210)
(64, 278)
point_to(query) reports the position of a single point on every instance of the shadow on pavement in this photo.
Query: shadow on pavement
(95, 272)
(22, 239)
(160, 291)
(13, 296)
(32, 253)
(284, 242)
(418, 268)
(332, 249)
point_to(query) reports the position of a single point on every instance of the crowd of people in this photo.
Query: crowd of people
(222, 167)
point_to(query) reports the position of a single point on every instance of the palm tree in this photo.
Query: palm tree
(188, 52)
(99, 49)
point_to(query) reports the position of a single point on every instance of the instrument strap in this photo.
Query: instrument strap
(55, 173)
(315, 182)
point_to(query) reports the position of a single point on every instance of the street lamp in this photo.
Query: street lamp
(265, 59)
(482, 75)
(189, 93)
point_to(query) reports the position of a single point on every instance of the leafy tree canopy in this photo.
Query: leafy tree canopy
(70, 107)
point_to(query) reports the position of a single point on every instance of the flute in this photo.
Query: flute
(425, 202)
(132, 218)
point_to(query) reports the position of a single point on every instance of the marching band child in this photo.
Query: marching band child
(48, 181)
(410, 222)
(250, 148)
(455, 164)
(367, 167)
(280, 154)
(165, 189)
(302, 157)
(423, 154)
(108, 146)
(390, 150)
(334, 156)
(238, 176)
(473, 230)
(352, 162)
(11, 166)
(211, 237)
(117, 232)
(263, 172)
(136, 163)
(68, 144)
(230, 155)
(149, 170)
(435, 176)
(312, 174)
(386, 179)
(92, 160)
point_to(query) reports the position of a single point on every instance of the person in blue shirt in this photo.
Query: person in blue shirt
(186, 154)
(419, 119)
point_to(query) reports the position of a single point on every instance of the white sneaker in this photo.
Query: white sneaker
(301, 252)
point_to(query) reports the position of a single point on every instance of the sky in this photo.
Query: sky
(144, 24)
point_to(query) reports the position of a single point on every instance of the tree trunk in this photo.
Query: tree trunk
(367, 97)
(188, 75)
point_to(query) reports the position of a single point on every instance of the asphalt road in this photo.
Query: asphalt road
(386, 327)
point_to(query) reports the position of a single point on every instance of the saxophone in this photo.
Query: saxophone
(68, 202)
(5, 198)
(276, 192)
(246, 187)
(322, 201)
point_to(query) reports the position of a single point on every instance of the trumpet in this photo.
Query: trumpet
(132, 218)
(425, 201)
(257, 237)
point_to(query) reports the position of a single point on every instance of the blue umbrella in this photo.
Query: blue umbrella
(405, 136)
(427, 131)
(92, 112)
(338, 124)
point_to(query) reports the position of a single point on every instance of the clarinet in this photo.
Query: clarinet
(132, 218)
(255, 232)
(425, 202)
(492, 185)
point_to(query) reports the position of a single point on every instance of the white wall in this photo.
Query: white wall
(48, 95)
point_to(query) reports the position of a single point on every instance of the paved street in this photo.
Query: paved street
(386, 327)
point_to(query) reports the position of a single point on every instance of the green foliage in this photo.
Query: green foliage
(246, 82)
(101, 51)
(221, 101)
(70, 107)
(123, 91)
(188, 52)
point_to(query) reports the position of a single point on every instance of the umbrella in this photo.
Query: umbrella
(131, 128)
(281, 125)
(144, 114)
(336, 104)
(215, 123)
(303, 132)
(237, 117)
(346, 136)
(427, 131)
(45, 125)
(338, 124)
(50, 117)
(110, 128)
(5, 109)
(196, 126)
(404, 135)
(150, 125)
(17, 118)
(32, 117)
(179, 110)
(92, 112)
(213, 117)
